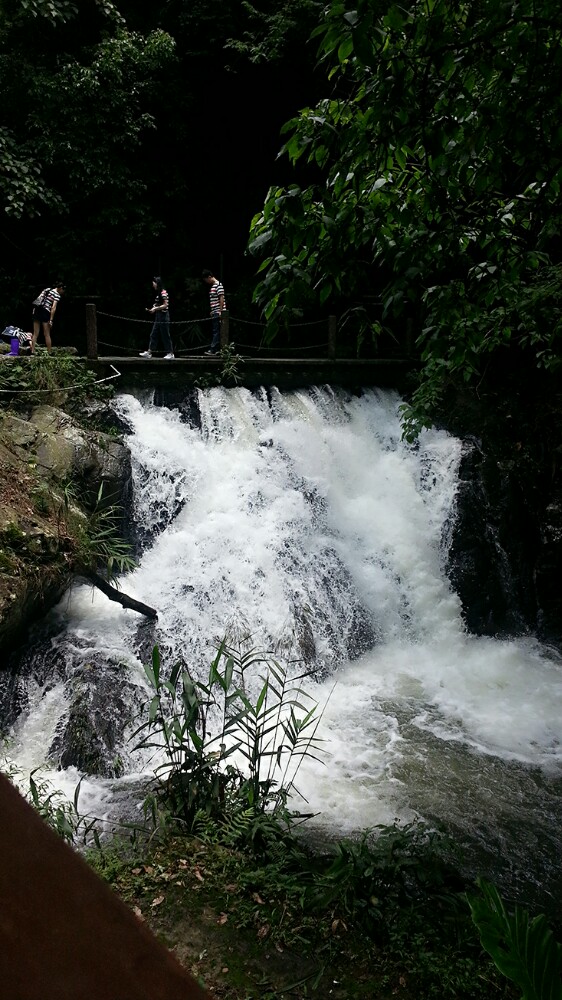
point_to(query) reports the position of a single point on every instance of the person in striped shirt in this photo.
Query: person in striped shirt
(161, 328)
(44, 313)
(12, 332)
(216, 299)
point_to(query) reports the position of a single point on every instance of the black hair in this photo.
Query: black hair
(207, 274)
(59, 284)
(158, 282)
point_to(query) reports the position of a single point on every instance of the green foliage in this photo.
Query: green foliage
(22, 185)
(100, 546)
(386, 869)
(61, 814)
(77, 86)
(42, 500)
(49, 378)
(267, 944)
(53, 807)
(13, 536)
(242, 775)
(231, 362)
(8, 563)
(104, 138)
(269, 34)
(53, 11)
(435, 196)
(522, 948)
(229, 373)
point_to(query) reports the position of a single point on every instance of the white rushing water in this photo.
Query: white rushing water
(307, 506)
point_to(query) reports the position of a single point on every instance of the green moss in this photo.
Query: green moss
(13, 537)
(8, 563)
(41, 500)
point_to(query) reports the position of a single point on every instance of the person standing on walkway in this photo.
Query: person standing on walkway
(44, 313)
(161, 328)
(216, 298)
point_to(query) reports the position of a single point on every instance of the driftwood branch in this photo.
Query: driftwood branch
(116, 595)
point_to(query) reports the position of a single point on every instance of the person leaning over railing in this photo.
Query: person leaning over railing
(17, 338)
(44, 308)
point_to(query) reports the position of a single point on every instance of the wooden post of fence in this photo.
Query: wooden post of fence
(225, 329)
(91, 331)
(332, 328)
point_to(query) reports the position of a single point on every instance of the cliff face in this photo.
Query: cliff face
(505, 560)
(51, 471)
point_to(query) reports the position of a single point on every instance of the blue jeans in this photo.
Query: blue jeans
(161, 331)
(216, 333)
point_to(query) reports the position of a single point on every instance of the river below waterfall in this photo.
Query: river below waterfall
(305, 512)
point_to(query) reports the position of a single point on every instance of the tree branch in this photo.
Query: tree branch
(116, 595)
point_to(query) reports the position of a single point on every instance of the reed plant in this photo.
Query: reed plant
(229, 757)
(53, 807)
(101, 546)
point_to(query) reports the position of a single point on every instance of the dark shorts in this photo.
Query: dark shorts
(41, 314)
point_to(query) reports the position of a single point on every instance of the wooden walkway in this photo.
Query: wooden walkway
(285, 373)
(252, 370)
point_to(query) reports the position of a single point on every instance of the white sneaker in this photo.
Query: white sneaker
(169, 357)
(145, 354)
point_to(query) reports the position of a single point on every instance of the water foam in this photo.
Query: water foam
(307, 510)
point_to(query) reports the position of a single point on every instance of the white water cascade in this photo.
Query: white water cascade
(306, 507)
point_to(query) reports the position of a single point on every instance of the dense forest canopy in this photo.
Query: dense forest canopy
(139, 139)
(436, 203)
(419, 197)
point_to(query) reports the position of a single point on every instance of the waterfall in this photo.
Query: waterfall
(305, 512)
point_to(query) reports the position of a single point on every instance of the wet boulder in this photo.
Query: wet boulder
(102, 705)
(92, 459)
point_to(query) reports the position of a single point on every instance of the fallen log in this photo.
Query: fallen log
(118, 596)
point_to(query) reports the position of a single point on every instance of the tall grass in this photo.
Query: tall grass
(228, 756)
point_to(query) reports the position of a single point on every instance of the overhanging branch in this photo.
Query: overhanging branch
(118, 596)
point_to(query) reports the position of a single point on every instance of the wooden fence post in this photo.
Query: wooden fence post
(225, 328)
(91, 331)
(332, 329)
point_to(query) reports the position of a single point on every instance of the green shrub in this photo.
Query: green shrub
(523, 949)
(50, 378)
(100, 546)
(270, 736)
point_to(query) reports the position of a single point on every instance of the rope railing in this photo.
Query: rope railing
(262, 347)
(207, 319)
(134, 319)
(254, 322)
(118, 347)
(65, 388)
(135, 350)
(92, 334)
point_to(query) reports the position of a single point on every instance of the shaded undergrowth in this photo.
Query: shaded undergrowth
(302, 925)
